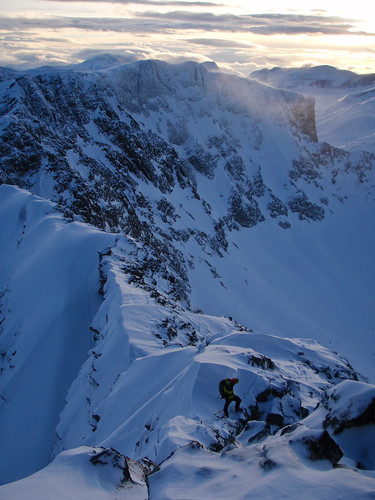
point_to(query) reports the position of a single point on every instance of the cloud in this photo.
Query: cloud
(163, 3)
(239, 42)
(218, 42)
(178, 21)
(127, 54)
(83, 23)
(261, 24)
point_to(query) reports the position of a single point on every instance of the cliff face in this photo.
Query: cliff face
(89, 140)
(344, 102)
(172, 155)
(97, 135)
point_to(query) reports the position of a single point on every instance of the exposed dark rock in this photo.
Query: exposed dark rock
(304, 116)
(305, 208)
(203, 161)
(260, 435)
(275, 419)
(261, 361)
(323, 448)
(338, 425)
(245, 213)
(268, 464)
(236, 167)
(132, 471)
(271, 392)
(289, 429)
(258, 186)
(276, 207)
(174, 331)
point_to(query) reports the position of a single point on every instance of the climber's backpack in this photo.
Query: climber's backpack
(221, 388)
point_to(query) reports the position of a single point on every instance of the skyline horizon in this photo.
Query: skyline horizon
(37, 33)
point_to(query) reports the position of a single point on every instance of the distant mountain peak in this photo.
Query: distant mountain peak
(211, 66)
(105, 61)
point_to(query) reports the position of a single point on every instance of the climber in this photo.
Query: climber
(226, 391)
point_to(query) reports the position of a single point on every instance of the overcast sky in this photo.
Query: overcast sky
(236, 34)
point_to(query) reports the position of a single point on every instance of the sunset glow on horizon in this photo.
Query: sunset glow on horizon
(237, 37)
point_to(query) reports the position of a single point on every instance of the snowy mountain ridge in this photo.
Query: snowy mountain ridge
(121, 403)
(345, 102)
(135, 148)
(185, 197)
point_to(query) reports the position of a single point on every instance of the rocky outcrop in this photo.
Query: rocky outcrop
(132, 473)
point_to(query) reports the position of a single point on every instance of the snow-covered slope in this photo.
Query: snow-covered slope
(176, 213)
(298, 462)
(243, 213)
(87, 474)
(147, 385)
(49, 285)
(345, 104)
